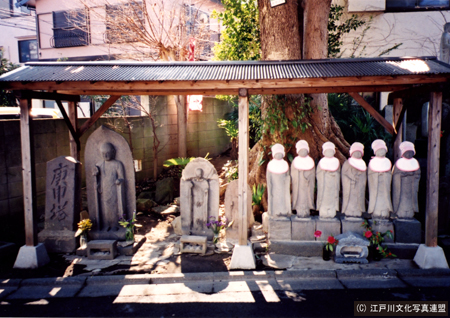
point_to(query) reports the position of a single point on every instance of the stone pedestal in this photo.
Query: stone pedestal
(328, 227)
(243, 257)
(352, 225)
(280, 228)
(382, 225)
(430, 257)
(102, 249)
(303, 228)
(63, 241)
(407, 231)
(32, 257)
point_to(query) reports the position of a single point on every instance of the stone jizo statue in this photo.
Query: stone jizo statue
(380, 177)
(354, 180)
(199, 197)
(444, 55)
(303, 176)
(278, 184)
(405, 183)
(328, 182)
(109, 180)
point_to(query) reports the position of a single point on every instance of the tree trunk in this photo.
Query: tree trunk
(281, 39)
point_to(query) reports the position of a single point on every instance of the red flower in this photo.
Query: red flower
(368, 234)
(317, 233)
(331, 239)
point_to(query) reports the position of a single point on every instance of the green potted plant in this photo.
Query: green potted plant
(376, 250)
(129, 226)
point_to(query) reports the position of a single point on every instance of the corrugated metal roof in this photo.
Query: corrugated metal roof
(223, 71)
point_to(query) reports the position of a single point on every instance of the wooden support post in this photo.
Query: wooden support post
(74, 142)
(182, 124)
(243, 165)
(434, 138)
(29, 183)
(397, 118)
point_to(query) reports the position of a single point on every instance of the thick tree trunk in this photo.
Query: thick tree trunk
(281, 39)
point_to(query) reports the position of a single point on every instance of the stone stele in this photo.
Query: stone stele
(110, 183)
(232, 210)
(199, 197)
(62, 205)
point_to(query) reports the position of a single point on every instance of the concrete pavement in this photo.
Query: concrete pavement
(218, 287)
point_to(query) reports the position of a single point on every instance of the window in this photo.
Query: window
(28, 51)
(119, 27)
(409, 5)
(70, 28)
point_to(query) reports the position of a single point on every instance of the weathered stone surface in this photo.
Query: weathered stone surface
(199, 190)
(165, 189)
(102, 249)
(352, 225)
(146, 195)
(278, 261)
(166, 209)
(176, 224)
(407, 231)
(132, 248)
(352, 248)
(382, 226)
(303, 177)
(297, 248)
(328, 227)
(303, 228)
(430, 257)
(280, 229)
(278, 184)
(32, 257)
(328, 175)
(62, 205)
(110, 182)
(193, 244)
(144, 205)
(265, 222)
(232, 210)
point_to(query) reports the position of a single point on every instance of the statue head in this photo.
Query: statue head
(357, 150)
(278, 151)
(407, 149)
(108, 151)
(328, 149)
(379, 148)
(302, 148)
(199, 173)
(447, 28)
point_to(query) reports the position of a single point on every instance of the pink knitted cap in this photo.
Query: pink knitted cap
(378, 144)
(357, 146)
(406, 146)
(328, 145)
(301, 144)
(277, 148)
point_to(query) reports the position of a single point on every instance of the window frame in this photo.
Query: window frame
(67, 33)
(21, 60)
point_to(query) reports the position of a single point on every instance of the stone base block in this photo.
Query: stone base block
(430, 257)
(382, 225)
(303, 228)
(352, 225)
(403, 250)
(132, 248)
(280, 229)
(193, 244)
(102, 249)
(296, 248)
(407, 231)
(243, 257)
(81, 251)
(32, 257)
(118, 235)
(63, 241)
(328, 227)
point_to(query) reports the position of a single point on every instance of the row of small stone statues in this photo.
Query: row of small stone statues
(404, 178)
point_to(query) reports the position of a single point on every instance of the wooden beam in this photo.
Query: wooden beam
(66, 119)
(254, 91)
(376, 115)
(434, 143)
(243, 165)
(28, 172)
(417, 91)
(91, 121)
(74, 140)
(171, 86)
(398, 111)
(49, 96)
(181, 104)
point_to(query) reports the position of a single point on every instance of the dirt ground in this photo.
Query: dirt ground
(158, 253)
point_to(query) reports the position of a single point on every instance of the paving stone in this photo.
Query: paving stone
(278, 261)
(48, 288)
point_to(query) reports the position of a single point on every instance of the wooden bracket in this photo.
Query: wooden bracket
(358, 98)
(91, 121)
